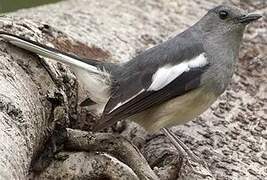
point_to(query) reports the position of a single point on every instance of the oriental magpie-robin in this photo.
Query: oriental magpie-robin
(166, 85)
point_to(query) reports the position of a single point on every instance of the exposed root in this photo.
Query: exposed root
(84, 165)
(115, 145)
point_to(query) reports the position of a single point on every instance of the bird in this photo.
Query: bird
(166, 85)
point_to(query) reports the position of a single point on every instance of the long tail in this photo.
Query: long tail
(72, 60)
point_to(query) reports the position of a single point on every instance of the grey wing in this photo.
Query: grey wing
(125, 102)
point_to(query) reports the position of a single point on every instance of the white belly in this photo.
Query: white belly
(176, 111)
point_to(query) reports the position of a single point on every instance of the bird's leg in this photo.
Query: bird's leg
(195, 164)
(181, 147)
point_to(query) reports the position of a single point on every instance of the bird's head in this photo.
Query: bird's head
(225, 20)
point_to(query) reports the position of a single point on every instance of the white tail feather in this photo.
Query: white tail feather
(98, 87)
(48, 53)
(97, 82)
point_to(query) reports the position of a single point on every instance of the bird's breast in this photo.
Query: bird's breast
(176, 111)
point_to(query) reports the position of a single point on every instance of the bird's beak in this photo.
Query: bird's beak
(249, 18)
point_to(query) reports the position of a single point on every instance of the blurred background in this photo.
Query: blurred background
(12, 5)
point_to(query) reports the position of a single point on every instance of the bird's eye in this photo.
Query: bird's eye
(223, 14)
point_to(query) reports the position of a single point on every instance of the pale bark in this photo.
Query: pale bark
(37, 95)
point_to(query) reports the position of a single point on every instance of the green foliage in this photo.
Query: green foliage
(12, 5)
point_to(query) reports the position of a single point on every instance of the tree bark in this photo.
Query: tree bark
(39, 98)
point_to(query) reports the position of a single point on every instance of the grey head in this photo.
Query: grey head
(220, 32)
(223, 27)
(225, 20)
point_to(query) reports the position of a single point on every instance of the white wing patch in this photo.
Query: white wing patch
(122, 103)
(168, 73)
(199, 61)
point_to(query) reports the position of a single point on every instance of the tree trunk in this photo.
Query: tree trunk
(39, 98)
